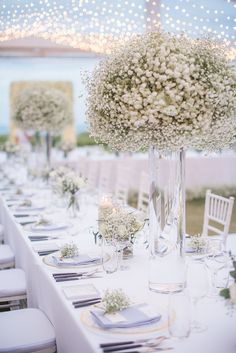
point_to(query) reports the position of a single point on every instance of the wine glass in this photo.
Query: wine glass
(179, 315)
(198, 286)
(216, 260)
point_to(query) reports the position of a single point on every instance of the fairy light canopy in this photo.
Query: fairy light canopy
(98, 25)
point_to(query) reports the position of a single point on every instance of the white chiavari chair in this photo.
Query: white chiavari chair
(1, 234)
(122, 184)
(7, 257)
(105, 178)
(12, 288)
(26, 331)
(218, 209)
(92, 174)
(143, 193)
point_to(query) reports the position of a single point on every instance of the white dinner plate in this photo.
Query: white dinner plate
(162, 325)
(48, 260)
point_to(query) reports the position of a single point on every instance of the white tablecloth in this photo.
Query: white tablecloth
(72, 336)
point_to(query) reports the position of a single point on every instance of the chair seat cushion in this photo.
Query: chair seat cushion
(1, 231)
(6, 254)
(24, 331)
(12, 282)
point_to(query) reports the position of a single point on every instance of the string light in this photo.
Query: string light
(99, 25)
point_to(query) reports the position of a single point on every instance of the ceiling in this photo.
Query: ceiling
(76, 27)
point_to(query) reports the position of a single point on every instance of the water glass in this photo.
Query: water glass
(198, 286)
(110, 257)
(179, 315)
(217, 262)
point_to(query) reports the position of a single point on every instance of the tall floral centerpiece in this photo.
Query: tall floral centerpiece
(42, 109)
(168, 94)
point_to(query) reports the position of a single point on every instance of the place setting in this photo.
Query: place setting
(45, 224)
(71, 256)
(115, 314)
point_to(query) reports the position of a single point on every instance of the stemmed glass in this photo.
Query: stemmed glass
(198, 286)
(216, 260)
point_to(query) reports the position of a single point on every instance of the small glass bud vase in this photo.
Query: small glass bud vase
(73, 206)
(128, 250)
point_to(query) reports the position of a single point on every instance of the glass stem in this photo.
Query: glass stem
(213, 282)
(195, 313)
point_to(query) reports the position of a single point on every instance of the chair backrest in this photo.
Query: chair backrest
(92, 174)
(122, 184)
(217, 209)
(143, 193)
(105, 177)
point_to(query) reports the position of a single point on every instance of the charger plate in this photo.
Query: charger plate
(48, 260)
(162, 325)
(60, 227)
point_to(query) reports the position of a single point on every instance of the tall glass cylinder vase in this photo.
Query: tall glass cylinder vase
(167, 270)
(48, 138)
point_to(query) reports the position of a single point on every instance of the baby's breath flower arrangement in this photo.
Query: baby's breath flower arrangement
(68, 183)
(43, 221)
(198, 243)
(119, 225)
(164, 91)
(69, 250)
(42, 109)
(10, 147)
(26, 203)
(114, 301)
(66, 147)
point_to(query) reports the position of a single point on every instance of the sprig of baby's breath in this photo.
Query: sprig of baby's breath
(198, 242)
(114, 301)
(69, 250)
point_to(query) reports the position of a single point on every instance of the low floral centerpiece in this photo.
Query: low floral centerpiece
(10, 148)
(66, 147)
(198, 243)
(120, 226)
(67, 183)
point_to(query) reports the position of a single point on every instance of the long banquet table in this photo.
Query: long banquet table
(73, 336)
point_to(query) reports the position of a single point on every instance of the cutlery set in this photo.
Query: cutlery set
(86, 302)
(40, 237)
(136, 346)
(75, 276)
(46, 252)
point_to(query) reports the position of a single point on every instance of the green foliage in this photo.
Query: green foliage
(84, 139)
(3, 139)
(233, 274)
(225, 293)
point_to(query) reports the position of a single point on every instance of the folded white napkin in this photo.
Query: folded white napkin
(45, 247)
(82, 259)
(50, 227)
(135, 315)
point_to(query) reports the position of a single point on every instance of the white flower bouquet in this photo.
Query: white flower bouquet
(10, 147)
(67, 183)
(42, 109)
(164, 91)
(66, 147)
(70, 183)
(120, 225)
